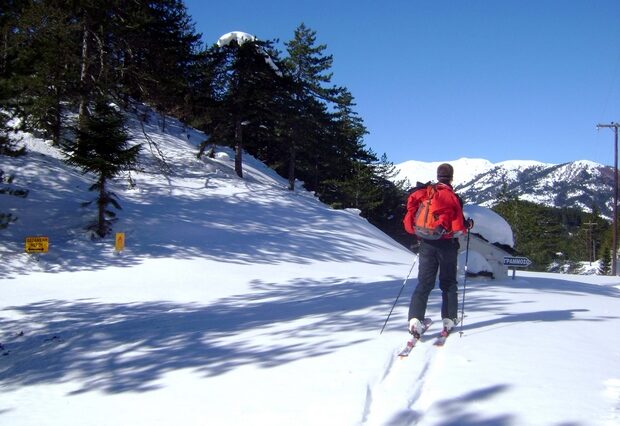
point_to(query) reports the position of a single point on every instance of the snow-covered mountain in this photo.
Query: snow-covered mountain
(465, 170)
(579, 184)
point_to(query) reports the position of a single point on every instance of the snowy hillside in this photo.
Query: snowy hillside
(239, 302)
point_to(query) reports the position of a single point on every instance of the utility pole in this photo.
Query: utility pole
(614, 248)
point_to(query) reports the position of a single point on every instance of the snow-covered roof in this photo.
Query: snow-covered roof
(489, 224)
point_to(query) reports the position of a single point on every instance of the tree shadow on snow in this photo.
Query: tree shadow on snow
(460, 414)
(556, 285)
(498, 297)
(457, 412)
(115, 347)
(224, 228)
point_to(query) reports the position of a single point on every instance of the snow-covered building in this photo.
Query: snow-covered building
(489, 234)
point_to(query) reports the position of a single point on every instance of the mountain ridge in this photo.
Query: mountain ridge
(581, 184)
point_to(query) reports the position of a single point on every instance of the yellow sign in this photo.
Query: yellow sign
(37, 244)
(120, 241)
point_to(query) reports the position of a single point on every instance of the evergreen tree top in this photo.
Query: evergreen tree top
(307, 63)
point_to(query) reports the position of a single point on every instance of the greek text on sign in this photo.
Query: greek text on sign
(517, 261)
(37, 244)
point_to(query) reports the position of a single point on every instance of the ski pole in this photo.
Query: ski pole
(464, 284)
(399, 293)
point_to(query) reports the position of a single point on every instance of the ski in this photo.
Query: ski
(441, 339)
(413, 340)
(444, 334)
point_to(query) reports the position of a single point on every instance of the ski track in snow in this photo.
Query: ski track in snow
(405, 383)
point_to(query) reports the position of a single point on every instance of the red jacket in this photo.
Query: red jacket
(449, 209)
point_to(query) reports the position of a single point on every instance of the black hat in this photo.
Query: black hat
(445, 171)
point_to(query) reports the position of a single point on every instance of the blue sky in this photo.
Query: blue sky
(440, 80)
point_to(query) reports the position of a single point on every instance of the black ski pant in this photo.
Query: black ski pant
(434, 256)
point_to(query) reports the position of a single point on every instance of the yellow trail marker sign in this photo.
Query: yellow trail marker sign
(37, 244)
(120, 241)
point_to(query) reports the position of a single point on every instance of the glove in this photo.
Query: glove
(469, 223)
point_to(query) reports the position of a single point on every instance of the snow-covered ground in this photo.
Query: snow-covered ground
(240, 302)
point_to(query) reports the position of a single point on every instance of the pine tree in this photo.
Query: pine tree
(44, 67)
(103, 149)
(605, 268)
(505, 195)
(156, 49)
(63, 54)
(598, 229)
(246, 85)
(344, 145)
(8, 21)
(7, 148)
(392, 193)
(309, 69)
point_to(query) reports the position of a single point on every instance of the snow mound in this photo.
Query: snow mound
(476, 263)
(222, 156)
(490, 225)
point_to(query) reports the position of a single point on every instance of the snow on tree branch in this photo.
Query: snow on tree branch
(240, 38)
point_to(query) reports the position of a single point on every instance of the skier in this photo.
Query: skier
(437, 254)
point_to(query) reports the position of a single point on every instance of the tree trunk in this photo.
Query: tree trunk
(83, 74)
(291, 157)
(5, 50)
(291, 167)
(239, 148)
(57, 122)
(101, 203)
(102, 57)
